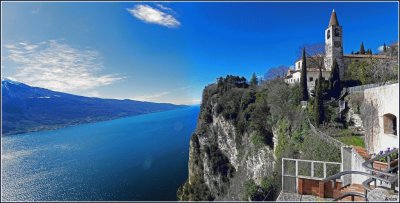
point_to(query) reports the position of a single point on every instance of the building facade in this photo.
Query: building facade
(385, 99)
(333, 51)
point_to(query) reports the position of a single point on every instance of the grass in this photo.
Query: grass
(352, 140)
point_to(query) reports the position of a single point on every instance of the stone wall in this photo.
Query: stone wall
(386, 100)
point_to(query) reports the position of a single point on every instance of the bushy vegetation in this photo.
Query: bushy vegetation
(352, 140)
(372, 71)
(256, 111)
(220, 163)
(196, 191)
(266, 191)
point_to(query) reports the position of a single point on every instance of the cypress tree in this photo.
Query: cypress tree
(334, 80)
(384, 47)
(253, 80)
(318, 102)
(303, 77)
(362, 50)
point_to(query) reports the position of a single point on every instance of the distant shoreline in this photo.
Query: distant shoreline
(58, 127)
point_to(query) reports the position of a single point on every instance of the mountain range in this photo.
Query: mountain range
(28, 109)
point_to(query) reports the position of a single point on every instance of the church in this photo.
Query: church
(333, 51)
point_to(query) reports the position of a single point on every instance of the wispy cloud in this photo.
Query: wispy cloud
(58, 66)
(177, 96)
(165, 8)
(149, 14)
(151, 97)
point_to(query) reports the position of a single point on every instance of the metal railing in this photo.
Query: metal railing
(361, 88)
(292, 169)
(326, 137)
(385, 176)
(369, 164)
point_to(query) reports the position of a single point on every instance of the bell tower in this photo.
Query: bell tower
(334, 44)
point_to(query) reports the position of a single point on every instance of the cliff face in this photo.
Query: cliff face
(221, 158)
(242, 133)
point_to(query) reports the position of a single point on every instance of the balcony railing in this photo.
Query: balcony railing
(389, 176)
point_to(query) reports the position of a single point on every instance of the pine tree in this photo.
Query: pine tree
(334, 80)
(384, 47)
(318, 102)
(362, 50)
(253, 80)
(303, 77)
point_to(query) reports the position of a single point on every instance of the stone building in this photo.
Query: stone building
(333, 51)
(384, 132)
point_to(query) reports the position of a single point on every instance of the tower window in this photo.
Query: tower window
(337, 32)
(328, 35)
(390, 124)
(311, 79)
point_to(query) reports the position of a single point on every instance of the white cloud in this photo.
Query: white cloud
(164, 8)
(149, 14)
(151, 97)
(380, 48)
(58, 66)
(176, 96)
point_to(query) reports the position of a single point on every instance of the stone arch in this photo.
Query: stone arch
(390, 124)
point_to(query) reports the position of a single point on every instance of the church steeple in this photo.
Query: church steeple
(333, 20)
(334, 44)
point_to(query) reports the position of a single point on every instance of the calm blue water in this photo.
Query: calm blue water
(136, 158)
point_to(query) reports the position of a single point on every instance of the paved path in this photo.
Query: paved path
(294, 197)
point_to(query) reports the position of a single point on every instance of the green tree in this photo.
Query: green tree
(358, 71)
(319, 103)
(303, 77)
(362, 50)
(384, 47)
(334, 80)
(253, 80)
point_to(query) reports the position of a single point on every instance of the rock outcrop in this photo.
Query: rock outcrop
(221, 159)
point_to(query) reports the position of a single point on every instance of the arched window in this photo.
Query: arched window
(337, 32)
(390, 124)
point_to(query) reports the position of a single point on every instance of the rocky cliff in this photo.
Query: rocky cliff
(223, 158)
(242, 133)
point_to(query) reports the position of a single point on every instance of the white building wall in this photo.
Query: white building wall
(311, 77)
(386, 100)
(356, 165)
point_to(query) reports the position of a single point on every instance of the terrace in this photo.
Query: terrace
(357, 178)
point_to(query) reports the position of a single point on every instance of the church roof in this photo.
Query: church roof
(333, 20)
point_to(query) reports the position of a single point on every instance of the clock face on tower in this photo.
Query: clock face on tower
(328, 35)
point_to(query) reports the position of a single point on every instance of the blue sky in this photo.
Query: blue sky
(168, 52)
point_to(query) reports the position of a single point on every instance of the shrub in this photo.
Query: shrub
(257, 140)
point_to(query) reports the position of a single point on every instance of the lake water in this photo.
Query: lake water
(136, 158)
